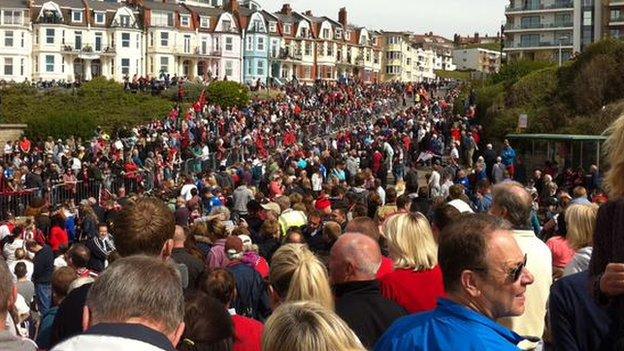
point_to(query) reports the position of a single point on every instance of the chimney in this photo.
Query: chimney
(286, 9)
(476, 35)
(342, 16)
(233, 6)
(308, 13)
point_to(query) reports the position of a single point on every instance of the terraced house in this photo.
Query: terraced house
(77, 40)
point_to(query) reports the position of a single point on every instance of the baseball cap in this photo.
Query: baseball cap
(272, 206)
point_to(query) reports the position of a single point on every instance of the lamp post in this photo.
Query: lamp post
(560, 57)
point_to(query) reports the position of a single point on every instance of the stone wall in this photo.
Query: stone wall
(10, 132)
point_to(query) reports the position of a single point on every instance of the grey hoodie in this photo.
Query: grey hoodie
(10, 342)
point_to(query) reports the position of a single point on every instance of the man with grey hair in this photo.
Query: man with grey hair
(512, 202)
(127, 310)
(353, 264)
(8, 296)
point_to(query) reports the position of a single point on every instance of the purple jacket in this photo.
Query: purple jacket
(217, 258)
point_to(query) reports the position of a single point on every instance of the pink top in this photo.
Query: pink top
(562, 253)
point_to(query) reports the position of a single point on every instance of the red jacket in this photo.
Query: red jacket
(414, 291)
(248, 334)
(58, 238)
(387, 266)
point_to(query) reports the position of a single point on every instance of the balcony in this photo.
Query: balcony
(509, 27)
(616, 21)
(286, 54)
(540, 8)
(537, 46)
(50, 17)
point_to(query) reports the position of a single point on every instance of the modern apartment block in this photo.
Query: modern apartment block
(556, 29)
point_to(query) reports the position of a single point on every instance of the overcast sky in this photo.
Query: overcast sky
(444, 17)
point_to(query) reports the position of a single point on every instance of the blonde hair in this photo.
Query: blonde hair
(581, 222)
(613, 148)
(305, 325)
(411, 242)
(297, 275)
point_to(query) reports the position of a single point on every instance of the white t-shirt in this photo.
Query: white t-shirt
(29, 268)
(186, 191)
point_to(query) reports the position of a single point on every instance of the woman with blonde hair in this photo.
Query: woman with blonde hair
(298, 275)
(306, 325)
(581, 223)
(605, 266)
(416, 283)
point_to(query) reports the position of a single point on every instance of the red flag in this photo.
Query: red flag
(201, 102)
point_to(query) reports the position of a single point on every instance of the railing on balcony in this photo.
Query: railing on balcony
(538, 44)
(536, 7)
(124, 24)
(510, 26)
(617, 19)
(287, 54)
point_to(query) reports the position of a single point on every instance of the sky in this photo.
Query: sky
(443, 17)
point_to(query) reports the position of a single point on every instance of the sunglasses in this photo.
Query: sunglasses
(515, 273)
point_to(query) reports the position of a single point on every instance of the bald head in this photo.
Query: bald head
(354, 257)
(512, 202)
(179, 236)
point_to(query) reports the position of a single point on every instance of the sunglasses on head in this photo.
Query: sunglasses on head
(515, 273)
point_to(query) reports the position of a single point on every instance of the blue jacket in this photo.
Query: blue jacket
(449, 327)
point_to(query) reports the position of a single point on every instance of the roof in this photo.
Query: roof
(205, 11)
(74, 4)
(13, 4)
(104, 5)
(164, 6)
(558, 137)
(285, 18)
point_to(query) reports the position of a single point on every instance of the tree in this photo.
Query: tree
(228, 94)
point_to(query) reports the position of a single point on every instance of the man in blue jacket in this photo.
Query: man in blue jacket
(485, 279)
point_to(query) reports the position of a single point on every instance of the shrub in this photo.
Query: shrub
(228, 94)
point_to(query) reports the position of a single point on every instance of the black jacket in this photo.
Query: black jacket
(193, 264)
(365, 310)
(43, 266)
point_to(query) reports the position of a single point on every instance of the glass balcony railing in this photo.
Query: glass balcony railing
(537, 7)
(510, 26)
(538, 44)
(617, 19)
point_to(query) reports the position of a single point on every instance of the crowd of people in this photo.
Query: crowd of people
(337, 217)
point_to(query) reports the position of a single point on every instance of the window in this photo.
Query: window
(257, 26)
(587, 18)
(100, 18)
(162, 19)
(229, 46)
(124, 20)
(138, 41)
(308, 49)
(8, 66)
(125, 66)
(164, 39)
(348, 35)
(62, 65)
(249, 69)
(76, 16)
(125, 40)
(63, 37)
(8, 38)
(260, 44)
(50, 36)
(249, 43)
(164, 64)
(272, 27)
(393, 40)
(21, 67)
(615, 15)
(260, 68)
(77, 40)
(227, 26)
(204, 46)
(185, 20)
(330, 49)
(187, 44)
(325, 33)
(151, 39)
(98, 41)
(12, 17)
(49, 63)
(287, 28)
(228, 68)
(204, 22)
(22, 40)
(393, 70)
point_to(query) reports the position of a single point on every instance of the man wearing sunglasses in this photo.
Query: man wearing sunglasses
(485, 278)
(512, 202)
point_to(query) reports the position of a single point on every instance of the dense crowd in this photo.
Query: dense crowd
(336, 217)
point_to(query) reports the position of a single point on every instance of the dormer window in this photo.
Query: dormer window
(338, 33)
(185, 20)
(287, 28)
(227, 26)
(273, 27)
(325, 33)
(76, 16)
(348, 35)
(100, 18)
(204, 22)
